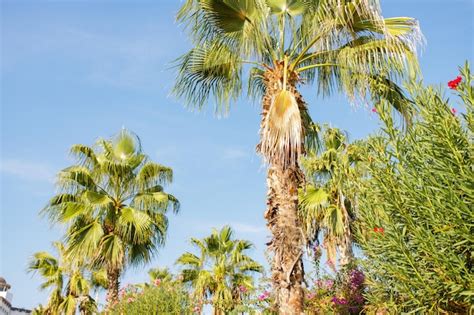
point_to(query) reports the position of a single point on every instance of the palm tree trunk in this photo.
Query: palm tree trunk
(282, 206)
(113, 275)
(286, 244)
(345, 246)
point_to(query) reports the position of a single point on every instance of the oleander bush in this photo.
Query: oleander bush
(158, 298)
(415, 220)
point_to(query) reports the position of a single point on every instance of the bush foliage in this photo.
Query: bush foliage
(415, 216)
(159, 298)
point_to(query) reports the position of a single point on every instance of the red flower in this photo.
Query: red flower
(374, 110)
(379, 230)
(453, 84)
(453, 111)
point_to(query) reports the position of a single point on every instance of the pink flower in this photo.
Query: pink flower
(263, 296)
(243, 289)
(310, 295)
(157, 282)
(453, 84)
(453, 111)
(339, 301)
(130, 300)
(374, 110)
(196, 309)
(328, 284)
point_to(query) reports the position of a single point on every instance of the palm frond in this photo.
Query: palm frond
(83, 239)
(85, 155)
(152, 174)
(211, 69)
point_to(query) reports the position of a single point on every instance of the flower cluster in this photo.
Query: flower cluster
(356, 279)
(379, 230)
(339, 301)
(310, 295)
(263, 296)
(453, 84)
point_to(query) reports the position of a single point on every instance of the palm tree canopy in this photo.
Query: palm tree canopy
(341, 45)
(163, 274)
(220, 267)
(67, 281)
(328, 195)
(113, 203)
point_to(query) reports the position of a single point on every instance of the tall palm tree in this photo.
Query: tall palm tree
(327, 201)
(220, 270)
(68, 283)
(114, 206)
(276, 46)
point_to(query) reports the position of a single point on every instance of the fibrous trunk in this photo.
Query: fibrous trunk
(283, 180)
(286, 244)
(345, 244)
(113, 275)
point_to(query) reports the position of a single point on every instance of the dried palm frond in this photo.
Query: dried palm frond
(282, 130)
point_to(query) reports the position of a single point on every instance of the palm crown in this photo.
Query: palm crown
(67, 281)
(220, 268)
(343, 45)
(327, 201)
(114, 205)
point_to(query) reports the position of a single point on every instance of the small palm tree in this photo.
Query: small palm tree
(276, 46)
(161, 274)
(114, 206)
(69, 286)
(221, 271)
(327, 202)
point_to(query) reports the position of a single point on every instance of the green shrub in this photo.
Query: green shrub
(415, 209)
(159, 298)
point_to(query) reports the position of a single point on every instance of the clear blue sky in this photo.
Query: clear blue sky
(73, 71)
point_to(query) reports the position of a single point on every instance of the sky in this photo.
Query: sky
(76, 70)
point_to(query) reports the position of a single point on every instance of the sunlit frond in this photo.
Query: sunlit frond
(134, 226)
(211, 69)
(152, 174)
(83, 239)
(85, 155)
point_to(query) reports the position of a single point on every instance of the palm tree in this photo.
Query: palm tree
(276, 46)
(327, 202)
(114, 206)
(161, 274)
(221, 271)
(69, 286)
